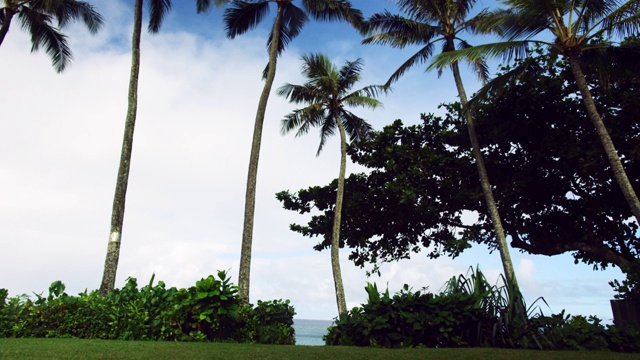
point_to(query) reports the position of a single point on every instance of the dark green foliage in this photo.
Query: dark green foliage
(471, 312)
(208, 311)
(274, 322)
(572, 332)
(409, 319)
(624, 338)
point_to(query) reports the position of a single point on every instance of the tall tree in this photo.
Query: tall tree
(240, 17)
(157, 11)
(427, 23)
(37, 18)
(327, 93)
(581, 29)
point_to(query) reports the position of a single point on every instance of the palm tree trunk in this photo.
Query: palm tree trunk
(117, 214)
(8, 16)
(337, 221)
(492, 207)
(250, 197)
(612, 154)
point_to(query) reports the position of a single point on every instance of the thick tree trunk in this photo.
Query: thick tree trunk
(612, 154)
(117, 214)
(337, 221)
(244, 275)
(492, 207)
(8, 16)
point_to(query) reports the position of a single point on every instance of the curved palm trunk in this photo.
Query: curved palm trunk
(9, 13)
(250, 197)
(337, 221)
(492, 207)
(117, 215)
(612, 154)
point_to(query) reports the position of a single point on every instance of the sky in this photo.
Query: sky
(60, 139)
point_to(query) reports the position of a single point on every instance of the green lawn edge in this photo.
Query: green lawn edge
(111, 349)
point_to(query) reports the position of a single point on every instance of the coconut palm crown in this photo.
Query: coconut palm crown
(37, 17)
(327, 94)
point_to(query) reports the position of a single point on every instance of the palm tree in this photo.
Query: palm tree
(241, 17)
(580, 28)
(430, 22)
(327, 92)
(37, 17)
(157, 11)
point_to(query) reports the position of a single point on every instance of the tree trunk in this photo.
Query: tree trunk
(117, 214)
(337, 221)
(9, 12)
(612, 154)
(492, 207)
(250, 197)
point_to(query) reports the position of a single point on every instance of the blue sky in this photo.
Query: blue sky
(60, 139)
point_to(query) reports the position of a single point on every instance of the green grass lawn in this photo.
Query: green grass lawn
(101, 349)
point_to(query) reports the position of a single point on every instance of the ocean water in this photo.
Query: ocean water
(310, 332)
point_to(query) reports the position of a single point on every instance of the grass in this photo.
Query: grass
(102, 349)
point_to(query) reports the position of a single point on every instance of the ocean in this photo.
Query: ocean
(310, 332)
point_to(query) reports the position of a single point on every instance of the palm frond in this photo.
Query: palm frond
(349, 74)
(316, 66)
(292, 22)
(205, 5)
(623, 21)
(485, 22)
(356, 127)
(479, 66)
(43, 33)
(507, 50)
(158, 9)
(303, 119)
(328, 127)
(416, 59)
(397, 31)
(523, 20)
(66, 11)
(334, 10)
(242, 16)
(498, 85)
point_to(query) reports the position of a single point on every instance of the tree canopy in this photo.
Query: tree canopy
(552, 179)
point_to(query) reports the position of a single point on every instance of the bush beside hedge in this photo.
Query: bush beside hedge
(470, 312)
(209, 311)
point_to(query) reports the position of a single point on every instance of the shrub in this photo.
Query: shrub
(409, 319)
(208, 311)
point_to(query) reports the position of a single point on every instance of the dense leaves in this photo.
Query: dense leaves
(208, 311)
(471, 312)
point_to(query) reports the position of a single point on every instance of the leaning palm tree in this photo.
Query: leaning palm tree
(327, 93)
(241, 17)
(37, 17)
(580, 29)
(157, 11)
(442, 21)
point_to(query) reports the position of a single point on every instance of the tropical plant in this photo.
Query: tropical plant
(326, 94)
(37, 17)
(240, 17)
(584, 32)
(430, 22)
